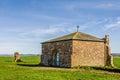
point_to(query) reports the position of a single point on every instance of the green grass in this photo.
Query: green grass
(116, 61)
(26, 70)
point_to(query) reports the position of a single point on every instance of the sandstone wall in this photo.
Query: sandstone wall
(86, 53)
(64, 48)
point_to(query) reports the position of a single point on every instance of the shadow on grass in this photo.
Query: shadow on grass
(109, 69)
(39, 65)
(29, 65)
(116, 70)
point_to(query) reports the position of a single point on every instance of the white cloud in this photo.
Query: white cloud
(92, 24)
(45, 31)
(40, 32)
(28, 40)
(78, 5)
(52, 29)
(38, 16)
(92, 5)
(115, 23)
(58, 29)
(108, 6)
(34, 34)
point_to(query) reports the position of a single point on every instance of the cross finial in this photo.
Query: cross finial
(77, 28)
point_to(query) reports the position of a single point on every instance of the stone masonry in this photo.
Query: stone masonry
(64, 48)
(76, 49)
(88, 53)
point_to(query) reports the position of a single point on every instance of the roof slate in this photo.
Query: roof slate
(76, 36)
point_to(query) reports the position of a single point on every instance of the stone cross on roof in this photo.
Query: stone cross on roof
(78, 28)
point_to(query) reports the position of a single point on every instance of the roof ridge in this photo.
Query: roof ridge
(74, 36)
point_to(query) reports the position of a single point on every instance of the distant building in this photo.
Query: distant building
(76, 49)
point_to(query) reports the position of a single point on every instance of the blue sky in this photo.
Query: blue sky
(24, 24)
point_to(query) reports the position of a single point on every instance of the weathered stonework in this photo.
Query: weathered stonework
(76, 49)
(88, 53)
(50, 50)
(109, 57)
(17, 57)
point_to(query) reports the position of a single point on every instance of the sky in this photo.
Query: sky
(24, 24)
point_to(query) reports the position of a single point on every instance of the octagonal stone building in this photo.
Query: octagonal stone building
(76, 49)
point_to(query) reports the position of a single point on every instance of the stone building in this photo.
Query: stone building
(76, 49)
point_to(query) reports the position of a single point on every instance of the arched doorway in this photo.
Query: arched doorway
(57, 59)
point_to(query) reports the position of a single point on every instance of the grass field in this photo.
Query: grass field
(116, 61)
(26, 70)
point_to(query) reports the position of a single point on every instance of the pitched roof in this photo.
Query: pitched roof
(76, 36)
